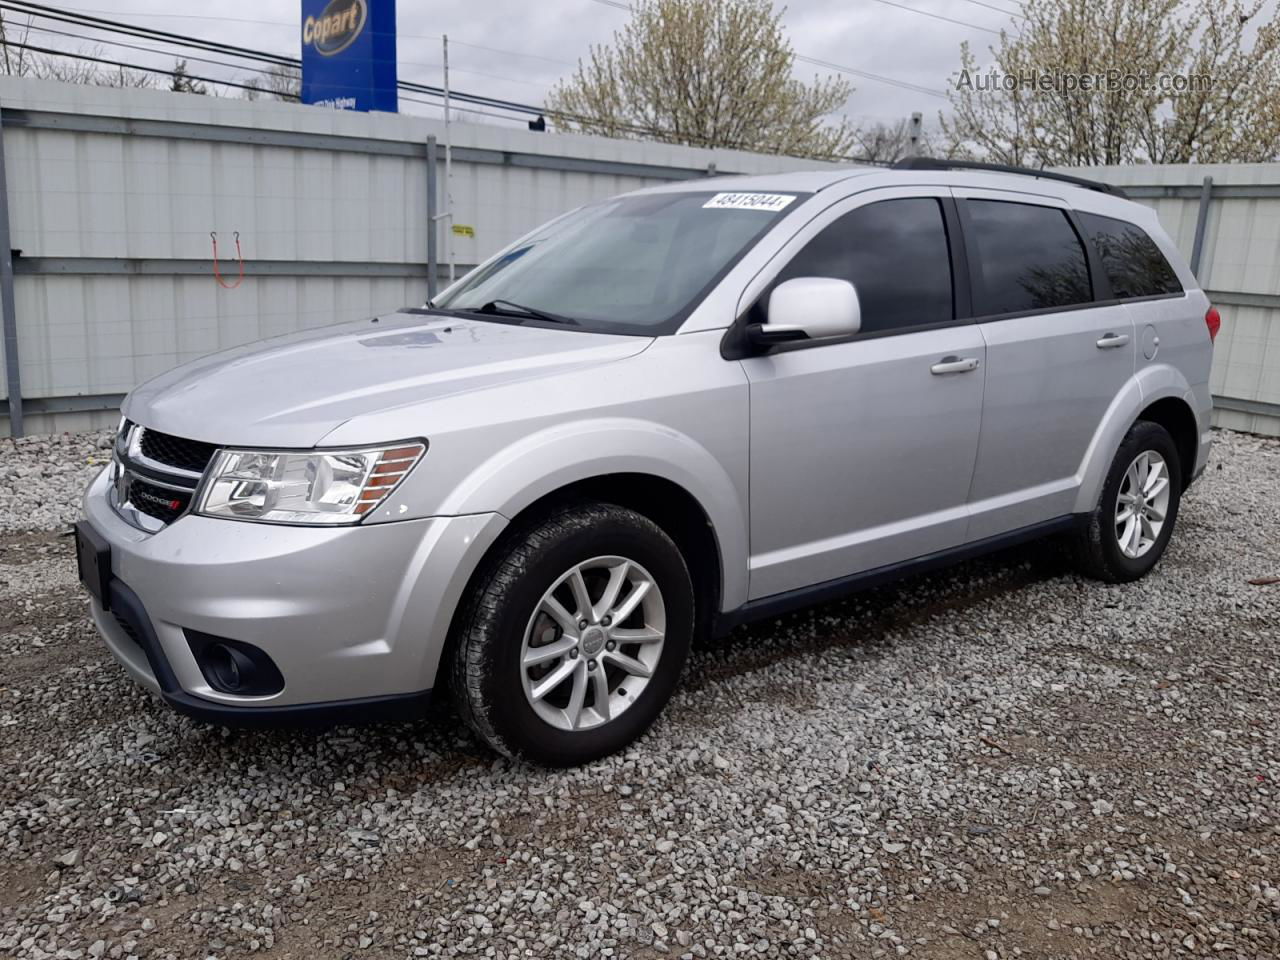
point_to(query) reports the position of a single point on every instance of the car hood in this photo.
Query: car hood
(291, 391)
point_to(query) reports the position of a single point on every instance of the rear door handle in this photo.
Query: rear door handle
(954, 364)
(1111, 340)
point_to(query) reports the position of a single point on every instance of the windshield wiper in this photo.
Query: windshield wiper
(506, 308)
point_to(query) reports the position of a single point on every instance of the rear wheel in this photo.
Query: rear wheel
(575, 636)
(1127, 533)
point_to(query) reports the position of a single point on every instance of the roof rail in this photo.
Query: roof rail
(933, 163)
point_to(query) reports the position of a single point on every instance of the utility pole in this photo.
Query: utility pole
(913, 135)
(448, 161)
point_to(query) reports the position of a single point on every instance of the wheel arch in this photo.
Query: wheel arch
(667, 504)
(1177, 417)
(660, 472)
(673, 508)
(1159, 393)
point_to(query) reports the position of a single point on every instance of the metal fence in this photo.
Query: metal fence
(108, 199)
(112, 196)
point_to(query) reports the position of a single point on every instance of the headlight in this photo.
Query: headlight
(314, 487)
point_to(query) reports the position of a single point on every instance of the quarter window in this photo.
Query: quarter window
(1130, 258)
(895, 254)
(1029, 258)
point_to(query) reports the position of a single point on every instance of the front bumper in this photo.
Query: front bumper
(355, 618)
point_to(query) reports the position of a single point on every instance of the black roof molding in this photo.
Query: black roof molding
(933, 163)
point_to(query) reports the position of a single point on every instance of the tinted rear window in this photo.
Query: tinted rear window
(1029, 258)
(1130, 258)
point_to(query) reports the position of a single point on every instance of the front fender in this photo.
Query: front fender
(552, 458)
(1151, 383)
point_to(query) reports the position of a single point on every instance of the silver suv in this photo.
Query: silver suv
(657, 416)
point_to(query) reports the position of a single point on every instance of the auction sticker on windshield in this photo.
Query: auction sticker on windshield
(771, 202)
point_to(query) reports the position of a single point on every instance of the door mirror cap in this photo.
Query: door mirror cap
(811, 308)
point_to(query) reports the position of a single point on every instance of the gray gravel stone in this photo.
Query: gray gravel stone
(823, 785)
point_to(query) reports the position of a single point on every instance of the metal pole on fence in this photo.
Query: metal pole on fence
(1202, 220)
(448, 161)
(433, 228)
(11, 370)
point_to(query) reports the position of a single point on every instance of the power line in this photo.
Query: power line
(990, 6)
(454, 107)
(904, 84)
(146, 33)
(223, 63)
(864, 74)
(278, 60)
(128, 46)
(182, 40)
(98, 23)
(130, 66)
(294, 26)
(938, 16)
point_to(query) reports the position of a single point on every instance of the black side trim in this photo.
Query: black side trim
(399, 706)
(1099, 282)
(128, 607)
(781, 603)
(396, 706)
(961, 275)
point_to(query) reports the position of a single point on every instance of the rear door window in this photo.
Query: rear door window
(1130, 258)
(1029, 258)
(895, 254)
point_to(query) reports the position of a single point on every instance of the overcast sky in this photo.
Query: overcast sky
(516, 50)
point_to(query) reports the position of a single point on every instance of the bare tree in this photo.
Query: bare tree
(181, 81)
(125, 77)
(707, 73)
(284, 83)
(17, 61)
(882, 142)
(280, 82)
(1083, 82)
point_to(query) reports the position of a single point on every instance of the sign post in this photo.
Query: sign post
(349, 54)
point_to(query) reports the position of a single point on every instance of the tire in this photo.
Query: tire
(1104, 548)
(508, 620)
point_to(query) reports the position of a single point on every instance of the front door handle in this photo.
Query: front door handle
(954, 364)
(1110, 341)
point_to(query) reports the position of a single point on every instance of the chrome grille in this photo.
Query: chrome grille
(175, 451)
(155, 475)
(165, 505)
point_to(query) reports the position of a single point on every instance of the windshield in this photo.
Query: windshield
(635, 264)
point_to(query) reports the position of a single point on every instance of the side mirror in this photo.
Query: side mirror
(809, 308)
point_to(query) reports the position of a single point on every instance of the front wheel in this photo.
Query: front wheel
(574, 638)
(1127, 533)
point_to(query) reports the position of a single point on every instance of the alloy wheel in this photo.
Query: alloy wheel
(1142, 504)
(593, 643)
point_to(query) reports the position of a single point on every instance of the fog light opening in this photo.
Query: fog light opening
(232, 668)
(235, 667)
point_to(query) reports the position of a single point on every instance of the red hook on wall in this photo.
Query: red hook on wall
(217, 275)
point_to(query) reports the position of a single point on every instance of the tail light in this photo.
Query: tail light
(1213, 320)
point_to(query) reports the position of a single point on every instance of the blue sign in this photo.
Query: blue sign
(349, 54)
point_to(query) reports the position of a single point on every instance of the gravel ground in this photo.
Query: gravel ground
(996, 761)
